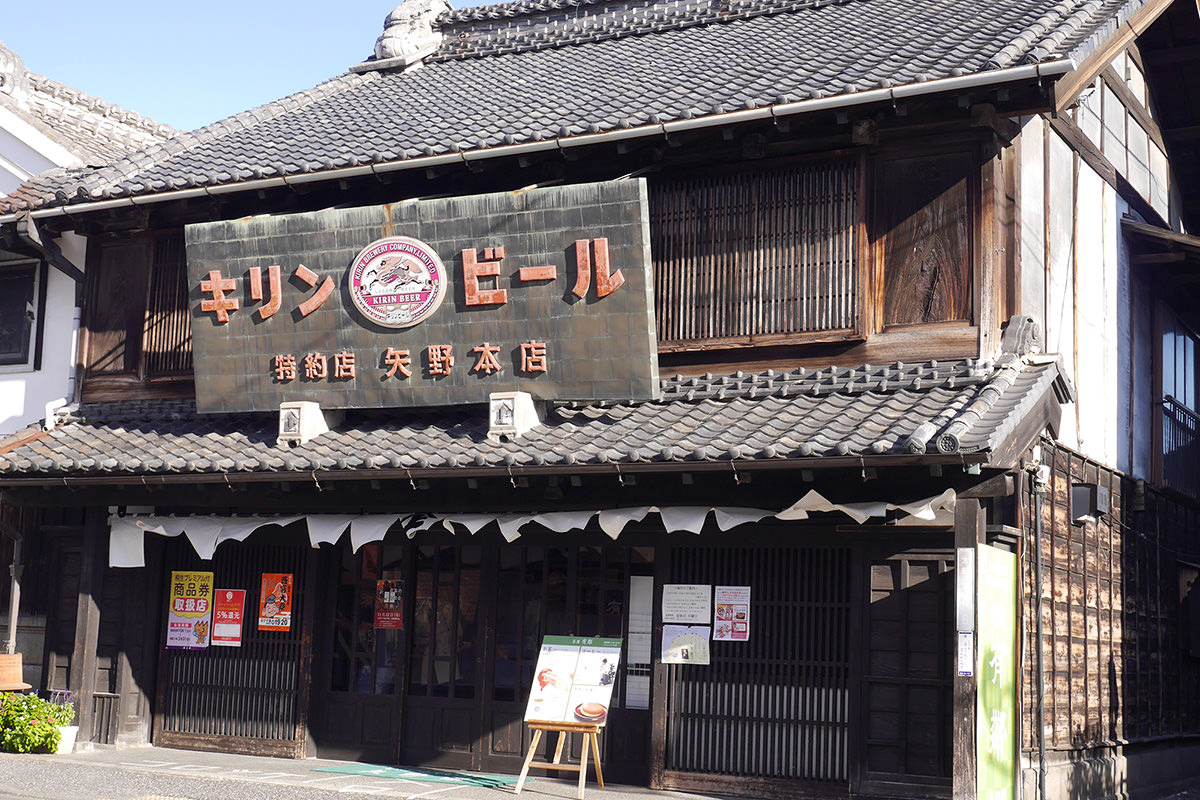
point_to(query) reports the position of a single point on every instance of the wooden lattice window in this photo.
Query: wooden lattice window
(762, 257)
(137, 316)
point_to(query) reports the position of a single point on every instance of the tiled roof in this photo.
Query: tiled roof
(533, 71)
(96, 132)
(956, 407)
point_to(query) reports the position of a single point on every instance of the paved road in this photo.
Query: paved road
(162, 774)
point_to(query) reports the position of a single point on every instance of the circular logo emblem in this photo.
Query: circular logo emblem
(397, 282)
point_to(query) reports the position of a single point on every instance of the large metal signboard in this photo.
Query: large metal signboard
(432, 302)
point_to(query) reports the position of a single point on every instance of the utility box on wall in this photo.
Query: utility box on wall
(1089, 501)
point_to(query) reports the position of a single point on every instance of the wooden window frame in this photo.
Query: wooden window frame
(32, 361)
(861, 273)
(136, 379)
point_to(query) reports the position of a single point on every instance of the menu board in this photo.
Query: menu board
(574, 679)
(189, 617)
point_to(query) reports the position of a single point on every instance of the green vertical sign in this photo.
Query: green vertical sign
(996, 717)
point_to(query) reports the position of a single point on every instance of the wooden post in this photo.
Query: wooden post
(969, 531)
(87, 618)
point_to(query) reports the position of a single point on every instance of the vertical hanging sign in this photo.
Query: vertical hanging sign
(996, 712)
(275, 602)
(190, 616)
(228, 607)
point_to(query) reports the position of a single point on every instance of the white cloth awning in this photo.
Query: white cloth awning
(126, 534)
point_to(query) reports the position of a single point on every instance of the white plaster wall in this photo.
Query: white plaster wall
(24, 394)
(1033, 216)
(18, 161)
(1075, 276)
(1096, 320)
(1060, 306)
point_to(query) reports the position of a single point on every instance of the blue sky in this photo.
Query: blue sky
(192, 63)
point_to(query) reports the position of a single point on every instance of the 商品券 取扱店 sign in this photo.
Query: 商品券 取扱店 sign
(436, 302)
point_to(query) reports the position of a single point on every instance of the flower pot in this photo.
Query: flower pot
(10, 673)
(66, 744)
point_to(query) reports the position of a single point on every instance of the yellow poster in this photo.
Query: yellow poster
(189, 619)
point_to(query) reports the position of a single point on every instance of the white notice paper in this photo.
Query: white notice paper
(687, 602)
(966, 653)
(686, 644)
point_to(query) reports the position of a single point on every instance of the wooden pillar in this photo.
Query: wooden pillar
(87, 618)
(969, 532)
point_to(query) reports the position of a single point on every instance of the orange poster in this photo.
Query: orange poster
(275, 602)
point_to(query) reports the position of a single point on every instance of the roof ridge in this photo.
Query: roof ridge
(77, 97)
(637, 18)
(514, 8)
(94, 185)
(1046, 34)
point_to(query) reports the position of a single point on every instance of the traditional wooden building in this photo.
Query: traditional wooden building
(879, 311)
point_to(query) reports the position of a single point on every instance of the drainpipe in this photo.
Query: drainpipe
(1041, 480)
(14, 599)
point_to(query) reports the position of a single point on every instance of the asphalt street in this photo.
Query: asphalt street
(163, 774)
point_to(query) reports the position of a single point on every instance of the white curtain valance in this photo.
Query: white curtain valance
(127, 534)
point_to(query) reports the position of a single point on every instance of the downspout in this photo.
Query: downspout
(14, 598)
(1040, 475)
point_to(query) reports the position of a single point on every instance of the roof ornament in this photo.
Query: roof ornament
(14, 78)
(1022, 336)
(409, 34)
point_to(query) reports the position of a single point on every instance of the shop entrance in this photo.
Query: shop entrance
(449, 688)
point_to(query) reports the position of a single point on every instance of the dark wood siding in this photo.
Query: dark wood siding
(906, 687)
(167, 340)
(925, 221)
(1116, 647)
(116, 306)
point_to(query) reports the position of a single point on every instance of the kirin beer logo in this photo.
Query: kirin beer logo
(397, 282)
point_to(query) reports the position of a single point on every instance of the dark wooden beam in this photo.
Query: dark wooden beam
(996, 486)
(1169, 56)
(87, 618)
(1182, 134)
(970, 530)
(1159, 258)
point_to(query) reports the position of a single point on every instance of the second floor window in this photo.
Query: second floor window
(137, 319)
(758, 257)
(20, 285)
(1180, 404)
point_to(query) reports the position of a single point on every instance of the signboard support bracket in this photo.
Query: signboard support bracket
(589, 732)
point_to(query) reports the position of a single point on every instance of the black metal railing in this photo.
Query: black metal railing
(1181, 448)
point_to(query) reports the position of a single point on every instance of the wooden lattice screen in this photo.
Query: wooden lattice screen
(167, 340)
(757, 257)
(249, 692)
(778, 705)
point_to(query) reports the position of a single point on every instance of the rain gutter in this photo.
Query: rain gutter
(891, 94)
(363, 472)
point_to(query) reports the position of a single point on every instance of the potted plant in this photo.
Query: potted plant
(29, 724)
(63, 713)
